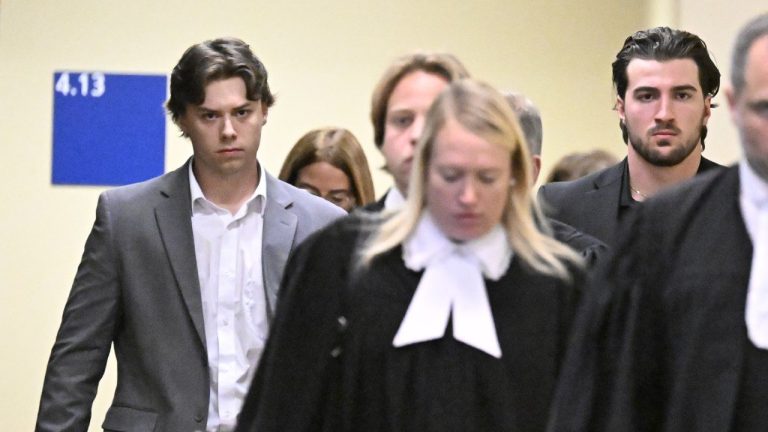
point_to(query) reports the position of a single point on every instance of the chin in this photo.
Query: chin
(464, 235)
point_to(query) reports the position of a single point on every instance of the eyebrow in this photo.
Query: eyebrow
(304, 185)
(684, 87)
(400, 110)
(758, 104)
(202, 108)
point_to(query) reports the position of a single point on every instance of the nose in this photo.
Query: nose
(468, 193)
(665, 112)
(416, 129)
(228, 129)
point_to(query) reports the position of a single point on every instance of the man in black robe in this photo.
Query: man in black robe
(674, 334)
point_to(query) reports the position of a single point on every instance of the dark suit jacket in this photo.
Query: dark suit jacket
(591, 204)
(137, 287)
(660, 340)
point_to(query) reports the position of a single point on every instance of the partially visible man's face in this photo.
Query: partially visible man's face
(406, 111)
(664, 109)
(749, 109)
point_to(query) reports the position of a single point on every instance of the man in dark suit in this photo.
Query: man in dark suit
(181, 272)
(400, 103)
(674, 335)
(665, 82)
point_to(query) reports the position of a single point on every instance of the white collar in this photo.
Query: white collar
(753, 188)
(453, 283)
(197, 195)
(754, 208)
(394, 199)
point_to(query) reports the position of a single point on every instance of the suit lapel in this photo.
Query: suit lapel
(277, 239)
(174, 221)
(605, 199)
(706, 165)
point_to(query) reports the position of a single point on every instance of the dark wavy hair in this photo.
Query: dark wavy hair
(215, 60)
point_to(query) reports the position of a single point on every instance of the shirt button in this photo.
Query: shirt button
(198, 417)
(341, 323)
(226, 323)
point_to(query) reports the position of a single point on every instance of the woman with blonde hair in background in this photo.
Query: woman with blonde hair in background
(451, 315)
(331, 164)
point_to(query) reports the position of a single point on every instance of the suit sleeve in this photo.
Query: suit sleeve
(292, 384)
(543, 198)
(83, 342)
(552, 199)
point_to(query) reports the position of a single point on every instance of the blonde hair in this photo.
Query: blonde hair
(483, 111)
(338, 147)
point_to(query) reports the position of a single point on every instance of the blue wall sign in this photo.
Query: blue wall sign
(108, 129)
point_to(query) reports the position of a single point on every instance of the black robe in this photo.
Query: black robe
(660, 341)
(323, 372)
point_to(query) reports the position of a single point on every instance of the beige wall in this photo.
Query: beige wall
(718, 24)
(323, 58)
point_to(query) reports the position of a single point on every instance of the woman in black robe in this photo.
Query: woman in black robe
(452, 314)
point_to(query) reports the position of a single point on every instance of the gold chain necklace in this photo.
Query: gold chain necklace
(644, 196)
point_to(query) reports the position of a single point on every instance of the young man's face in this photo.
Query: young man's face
(664, 110)
(225, 130)
(406, 111)
(749, 109)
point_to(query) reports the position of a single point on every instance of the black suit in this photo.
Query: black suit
(660, 342)
(592, 204)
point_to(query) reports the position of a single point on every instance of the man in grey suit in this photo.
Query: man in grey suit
(181, 272)
(665, 81)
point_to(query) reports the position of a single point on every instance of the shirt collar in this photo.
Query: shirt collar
(492, 250)
(625, 195)
(394, 199)
(753, 188)
(256, 202)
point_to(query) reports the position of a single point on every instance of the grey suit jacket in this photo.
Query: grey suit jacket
(137, 287)
(591, 204)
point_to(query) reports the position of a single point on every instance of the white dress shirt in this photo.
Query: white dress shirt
(228, 255)
(754, 208)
